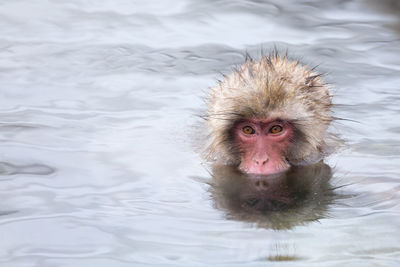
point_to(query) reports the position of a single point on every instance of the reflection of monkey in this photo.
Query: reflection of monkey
(278, 201)
(269, 115)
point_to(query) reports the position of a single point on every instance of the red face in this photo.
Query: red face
(263, 144)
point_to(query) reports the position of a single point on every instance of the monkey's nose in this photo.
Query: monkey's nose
(260, 161)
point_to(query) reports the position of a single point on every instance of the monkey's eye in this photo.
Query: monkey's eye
(248, 130)
(276, 129)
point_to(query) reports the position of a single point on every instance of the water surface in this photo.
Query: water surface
(98, 112)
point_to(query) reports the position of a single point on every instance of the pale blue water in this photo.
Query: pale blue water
(98, 107)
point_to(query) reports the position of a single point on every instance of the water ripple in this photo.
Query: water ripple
(34, 169)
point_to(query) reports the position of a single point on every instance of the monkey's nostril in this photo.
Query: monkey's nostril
(260, 162)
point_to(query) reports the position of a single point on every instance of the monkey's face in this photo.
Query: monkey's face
(263, 145)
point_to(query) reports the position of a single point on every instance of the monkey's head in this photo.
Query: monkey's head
(268, 115)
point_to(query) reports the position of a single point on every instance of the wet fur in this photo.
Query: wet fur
(273, 87)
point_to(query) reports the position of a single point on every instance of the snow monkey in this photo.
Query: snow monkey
(268, 115)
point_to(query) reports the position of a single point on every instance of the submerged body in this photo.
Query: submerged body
(268, 115)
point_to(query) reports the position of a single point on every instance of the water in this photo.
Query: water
(99, 106)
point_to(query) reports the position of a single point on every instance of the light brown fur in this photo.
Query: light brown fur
(273, 87)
